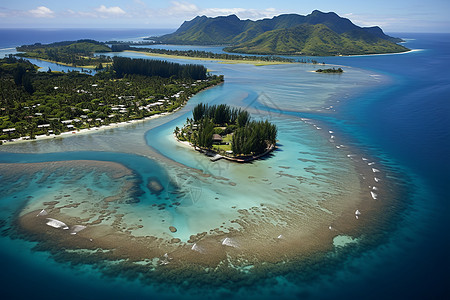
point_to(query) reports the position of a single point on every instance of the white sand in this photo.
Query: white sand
(85, 131)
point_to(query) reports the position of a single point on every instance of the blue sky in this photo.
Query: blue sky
(391, 15)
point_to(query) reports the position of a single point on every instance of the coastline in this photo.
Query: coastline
(86, 130)
(379, 54)
(66, 64)
(97, 129)
(218, 156)
(222, 61)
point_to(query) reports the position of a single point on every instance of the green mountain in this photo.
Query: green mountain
(316, 40)
(315, 34)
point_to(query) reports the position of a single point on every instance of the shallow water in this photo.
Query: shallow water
(381, 115)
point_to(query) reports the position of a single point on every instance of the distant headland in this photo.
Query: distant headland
(317, 34)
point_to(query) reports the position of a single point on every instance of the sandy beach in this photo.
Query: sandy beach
(87, 130)
(223, 61)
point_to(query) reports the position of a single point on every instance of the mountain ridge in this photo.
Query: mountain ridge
(247, 36)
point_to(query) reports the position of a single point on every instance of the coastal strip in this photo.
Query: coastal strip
(215, 156)
(223, 61)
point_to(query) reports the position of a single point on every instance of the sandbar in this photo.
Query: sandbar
(223, 61)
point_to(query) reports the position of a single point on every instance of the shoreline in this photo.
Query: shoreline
(98, 129)
(66, 64)
(218, 60)
(377, 54)
(87, 130)
(218, 156)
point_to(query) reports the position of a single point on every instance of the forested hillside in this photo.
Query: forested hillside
(74, 53)
(315, 34)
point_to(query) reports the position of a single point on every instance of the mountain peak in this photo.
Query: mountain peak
(233, 17)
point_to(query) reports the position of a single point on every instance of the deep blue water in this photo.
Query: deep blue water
(406, 122)
(17, 37)
(409, 121)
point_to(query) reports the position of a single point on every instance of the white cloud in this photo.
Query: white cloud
(100, 12)
(80, 14)
(182, 8)
(187, 10)
(242, 13)
(110, 11)
(42, 12)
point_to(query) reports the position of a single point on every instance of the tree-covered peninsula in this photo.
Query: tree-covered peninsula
(79, 53)
(36, 103)
(229, 132)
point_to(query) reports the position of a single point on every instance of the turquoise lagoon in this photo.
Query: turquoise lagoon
(330, 163)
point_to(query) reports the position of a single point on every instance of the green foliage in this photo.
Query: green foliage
(147, 67)
(316, 40)
(199, 111)
(26, 82)
(205, 134)
(254, 138)
(243, 118)
(219, 131)
(248, 137)
(220, 114)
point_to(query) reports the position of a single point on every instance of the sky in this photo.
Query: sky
(390, 15)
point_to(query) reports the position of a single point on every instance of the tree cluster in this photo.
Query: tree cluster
(220, 115)
(248, 137)
(333, 70)
(254, 138)
(146, 67)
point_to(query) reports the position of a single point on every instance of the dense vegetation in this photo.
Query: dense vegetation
(332, 71)
(146, 67)
(74, 53)
(254, 138)
(317, 40)
(315, 34)
(34, 103)
(223, 123)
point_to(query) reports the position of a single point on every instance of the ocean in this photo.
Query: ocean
(392, 110)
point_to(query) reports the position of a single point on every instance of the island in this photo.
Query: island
(90, 54)
(79, 53)
(330, 71)
(317, 34)
(221, 131)
(211, 56)
(38, 104)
